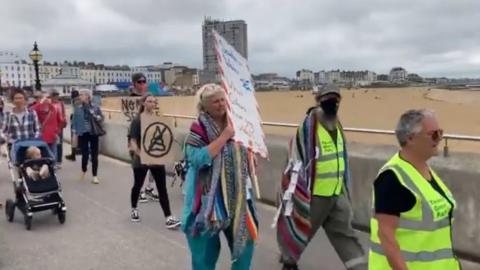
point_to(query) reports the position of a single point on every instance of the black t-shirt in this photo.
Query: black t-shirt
(392, 198)
(134, 132)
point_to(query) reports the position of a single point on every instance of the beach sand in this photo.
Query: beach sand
(378, 108)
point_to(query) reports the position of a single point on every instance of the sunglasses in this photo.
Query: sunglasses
(436, 135)
(141, 81)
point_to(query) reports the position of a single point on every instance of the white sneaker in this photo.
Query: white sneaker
(142, 197)
(95, 180)
(135, 217)
(172, 223)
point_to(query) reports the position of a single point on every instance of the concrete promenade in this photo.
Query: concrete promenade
(98, 233)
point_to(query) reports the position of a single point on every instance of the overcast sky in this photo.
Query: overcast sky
(429, 37)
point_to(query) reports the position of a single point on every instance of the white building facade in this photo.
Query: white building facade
(105, 75)
(15, 71)
(47, 71)
(398, 74)
(305, 75)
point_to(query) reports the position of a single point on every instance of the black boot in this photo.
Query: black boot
(287, 265)
(290, 266)
(70, 157)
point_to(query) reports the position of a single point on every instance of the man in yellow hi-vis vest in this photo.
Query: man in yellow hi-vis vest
(412, 224)
(314, 187)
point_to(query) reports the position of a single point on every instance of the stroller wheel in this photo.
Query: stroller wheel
(62, 215)
(10, 210)
(28, 222)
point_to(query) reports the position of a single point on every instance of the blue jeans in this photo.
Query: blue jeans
(53, 149)
(205, 250)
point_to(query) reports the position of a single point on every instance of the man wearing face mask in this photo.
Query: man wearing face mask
(314, 187)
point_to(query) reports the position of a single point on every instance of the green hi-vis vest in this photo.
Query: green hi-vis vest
(424, 233)
(330, 165)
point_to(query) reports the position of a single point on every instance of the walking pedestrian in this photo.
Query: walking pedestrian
(218, 197)
(75, 100)
(140, 87)
(50, 122)
(60, 107)
(86, 117)
(140, 170)
(318, 171)
(21, 123)
(412, 225)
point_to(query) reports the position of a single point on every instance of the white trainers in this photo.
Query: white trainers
(135, 217)
(95, 180)
(142, 197)
(172, 223)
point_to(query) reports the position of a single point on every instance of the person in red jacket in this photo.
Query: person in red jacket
(54, 96)
(50, 122)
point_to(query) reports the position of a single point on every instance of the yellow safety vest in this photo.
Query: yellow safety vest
(330, 165)
(424, 233)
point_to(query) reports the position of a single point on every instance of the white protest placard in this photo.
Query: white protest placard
(243, 107)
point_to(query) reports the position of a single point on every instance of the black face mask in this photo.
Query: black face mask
(329, 107)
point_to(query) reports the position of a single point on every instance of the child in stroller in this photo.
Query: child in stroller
(35, 184)
(36, 171)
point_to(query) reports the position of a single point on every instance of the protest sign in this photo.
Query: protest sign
(157, 140)
(131, 105)
(243, 107)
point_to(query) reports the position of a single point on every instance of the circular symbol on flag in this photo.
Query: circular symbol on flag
(157, 139)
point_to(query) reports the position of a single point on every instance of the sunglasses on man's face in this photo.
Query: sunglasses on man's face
(141, 82)
(436, 135)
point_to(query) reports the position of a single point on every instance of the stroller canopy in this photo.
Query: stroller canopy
(19, 149)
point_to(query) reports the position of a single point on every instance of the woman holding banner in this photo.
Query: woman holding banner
(218, 187)
(140, 170)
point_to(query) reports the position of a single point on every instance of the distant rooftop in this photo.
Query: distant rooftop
(8, 57)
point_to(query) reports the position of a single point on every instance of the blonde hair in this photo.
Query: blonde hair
(31, 151)
(204, 93)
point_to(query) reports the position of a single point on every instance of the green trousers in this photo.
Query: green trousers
(205, 250)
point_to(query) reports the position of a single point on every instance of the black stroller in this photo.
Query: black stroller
(33, 195)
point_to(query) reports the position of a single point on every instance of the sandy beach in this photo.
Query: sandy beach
(377, 108)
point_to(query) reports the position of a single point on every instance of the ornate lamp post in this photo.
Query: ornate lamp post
(36, 57)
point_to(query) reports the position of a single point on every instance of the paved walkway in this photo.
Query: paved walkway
(98, 233)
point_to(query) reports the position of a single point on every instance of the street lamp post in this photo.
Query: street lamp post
(36, 57)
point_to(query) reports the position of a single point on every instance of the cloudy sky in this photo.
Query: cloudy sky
(429, 37)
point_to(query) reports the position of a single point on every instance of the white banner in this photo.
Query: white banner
(243, 107)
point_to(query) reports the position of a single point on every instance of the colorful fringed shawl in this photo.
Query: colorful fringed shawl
(293, 217)
(225, 187)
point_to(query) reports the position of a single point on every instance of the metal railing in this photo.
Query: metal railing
(446, 137)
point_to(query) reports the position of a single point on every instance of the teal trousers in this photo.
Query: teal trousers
(205, 250)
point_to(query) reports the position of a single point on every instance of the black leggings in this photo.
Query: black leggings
(158, 173)
(89, 146)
